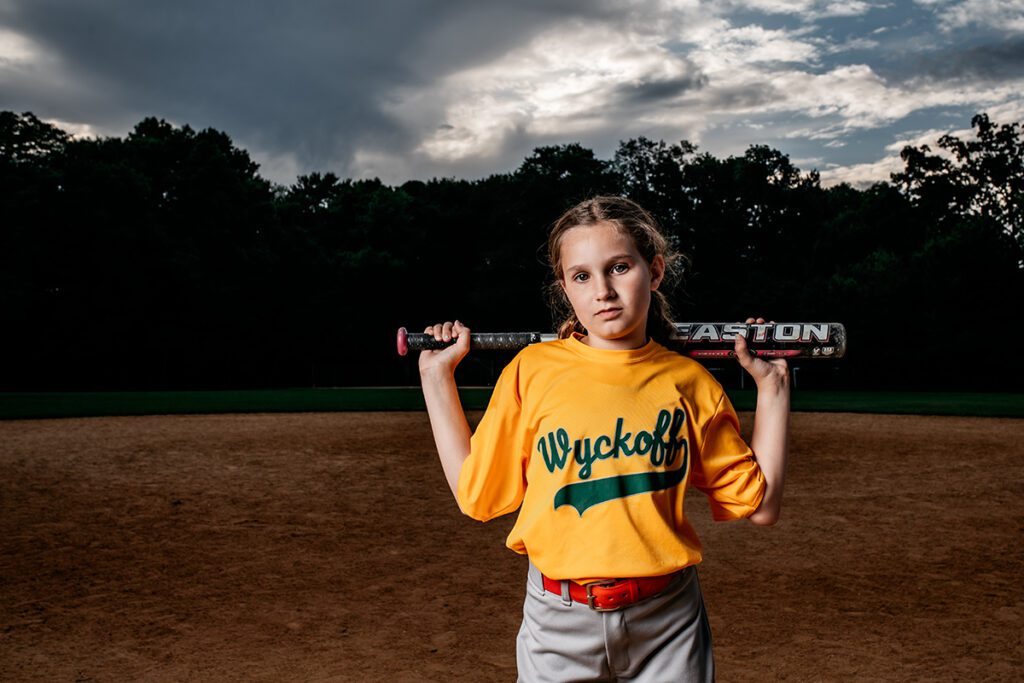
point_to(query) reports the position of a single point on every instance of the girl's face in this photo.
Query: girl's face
(609, 285)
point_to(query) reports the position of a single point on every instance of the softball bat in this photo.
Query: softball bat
(697, 340)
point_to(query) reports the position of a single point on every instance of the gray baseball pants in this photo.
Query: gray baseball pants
(660, 639)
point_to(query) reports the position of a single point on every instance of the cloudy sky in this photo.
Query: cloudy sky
(403, 89)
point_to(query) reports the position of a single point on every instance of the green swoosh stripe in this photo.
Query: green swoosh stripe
(585, 494)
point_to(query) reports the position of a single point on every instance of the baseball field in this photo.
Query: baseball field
(326, 547)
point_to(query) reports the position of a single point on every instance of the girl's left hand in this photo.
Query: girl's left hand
(775, 371)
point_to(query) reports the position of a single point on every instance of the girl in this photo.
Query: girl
(595, 437)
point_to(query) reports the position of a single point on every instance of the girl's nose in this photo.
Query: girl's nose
(605, 289)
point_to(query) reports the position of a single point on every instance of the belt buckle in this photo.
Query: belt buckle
(591, 598)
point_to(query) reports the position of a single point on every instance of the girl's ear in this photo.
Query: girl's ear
(657, 271)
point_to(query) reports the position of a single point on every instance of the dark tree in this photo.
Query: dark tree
(163, 259)
(980, 178)
(653, 174)
(25, 139)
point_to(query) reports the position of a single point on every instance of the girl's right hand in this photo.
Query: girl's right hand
(445, 360)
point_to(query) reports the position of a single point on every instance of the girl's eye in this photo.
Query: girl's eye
(619, 268)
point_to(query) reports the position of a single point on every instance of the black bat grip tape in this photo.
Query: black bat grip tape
(491, 341)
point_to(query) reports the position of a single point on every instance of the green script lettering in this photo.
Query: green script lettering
(620, 440)
(559, 442)
(661, 444)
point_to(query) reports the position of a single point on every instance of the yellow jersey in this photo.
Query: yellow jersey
(597, 447)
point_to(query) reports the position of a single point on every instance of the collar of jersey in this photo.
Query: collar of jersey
(614, 356)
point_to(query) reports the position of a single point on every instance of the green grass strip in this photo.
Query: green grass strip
(30, 405)
(896, 402)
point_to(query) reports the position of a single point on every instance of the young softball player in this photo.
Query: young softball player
(594, 438)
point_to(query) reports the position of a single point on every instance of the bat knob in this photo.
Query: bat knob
(403, 341)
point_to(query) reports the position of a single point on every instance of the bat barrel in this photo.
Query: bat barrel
(772, 340)
(698, 340)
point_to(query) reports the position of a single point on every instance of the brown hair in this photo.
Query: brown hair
(632, 219)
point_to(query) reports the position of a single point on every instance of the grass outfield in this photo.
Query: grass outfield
(20, 405)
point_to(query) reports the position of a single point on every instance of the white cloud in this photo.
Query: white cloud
(928, 137)
(862, 175)
(1007, 112)
(721, 47)
(16, 48)
(852, 8)
(806, 163)
(1005, 15)
(77, 129)
(854, 98)
(808, 9)
(866, 174)
(853, 92)
(775, 6)
(852, 44)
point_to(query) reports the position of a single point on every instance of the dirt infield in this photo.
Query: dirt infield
(327, 547)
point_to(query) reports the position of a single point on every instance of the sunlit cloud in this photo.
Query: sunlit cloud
(569, 81)
(573, 87)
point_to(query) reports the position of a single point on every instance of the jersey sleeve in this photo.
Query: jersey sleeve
(492, 481)
(725, 469)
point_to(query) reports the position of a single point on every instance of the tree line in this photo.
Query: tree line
(163, 260)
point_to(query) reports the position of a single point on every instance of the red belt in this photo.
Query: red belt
(605, 596)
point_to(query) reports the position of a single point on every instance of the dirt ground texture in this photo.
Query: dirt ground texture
(327, 547)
